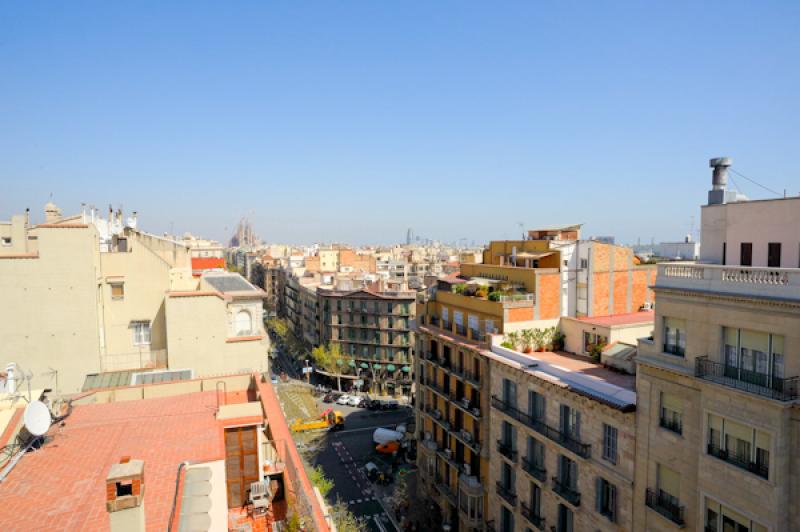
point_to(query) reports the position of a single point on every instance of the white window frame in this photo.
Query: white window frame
(142, 332)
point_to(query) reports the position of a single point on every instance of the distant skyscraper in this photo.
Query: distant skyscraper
(410, 236)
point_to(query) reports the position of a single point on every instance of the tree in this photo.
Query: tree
(331, 360)
(344, 519)
(318, 479)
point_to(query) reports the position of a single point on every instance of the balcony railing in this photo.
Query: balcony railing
(506, 450)
(666, 505)
(536, 471)
(566, 440)
(507, 493)
(563, 488)
(781, 389)
(743, 462)
(533, 518)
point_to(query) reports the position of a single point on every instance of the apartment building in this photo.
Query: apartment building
(562, 444)
(717, 426)
(372, 326)
(88, 294)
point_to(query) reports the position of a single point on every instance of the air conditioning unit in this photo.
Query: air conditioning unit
(465, 402)
(260, 496)
(476, 411)
(467, 469)
(467, 436)
(437, 414)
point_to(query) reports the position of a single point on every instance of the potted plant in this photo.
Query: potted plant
(528, 340)
(558, 340)
(514, 339)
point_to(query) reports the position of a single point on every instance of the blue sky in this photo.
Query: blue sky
(352, 121)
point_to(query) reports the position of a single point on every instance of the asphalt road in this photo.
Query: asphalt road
(344, 453)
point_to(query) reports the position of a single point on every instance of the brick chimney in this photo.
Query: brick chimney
(125, 495)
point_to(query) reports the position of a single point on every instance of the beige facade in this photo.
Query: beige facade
(717, 427)
(560, 458)
(87, 294)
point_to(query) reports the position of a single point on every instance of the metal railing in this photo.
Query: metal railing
(536, 471)
(742, 462)
(506, 450)
(781, 389)
(566, 440)
(563, 488)
(666, 505)
(533, 517)
(507, 493)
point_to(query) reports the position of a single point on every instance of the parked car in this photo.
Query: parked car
(331, 397)
(365, 402)
(343, 400)
(354, 400)
(390, 404)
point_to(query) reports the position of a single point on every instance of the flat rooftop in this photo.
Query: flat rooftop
(576, 373)
(62, 485)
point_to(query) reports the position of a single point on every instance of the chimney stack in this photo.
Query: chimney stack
(719, 194)
(125, 495)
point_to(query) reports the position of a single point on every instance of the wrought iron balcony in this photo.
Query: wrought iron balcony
(507, 493)
(506, 450)
(743, 462)
(563, 488)
(534, 470)
(666, 505)
(564, 439)
(533, 518)
(781, 389)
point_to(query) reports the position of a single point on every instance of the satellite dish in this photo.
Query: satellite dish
(37, 418)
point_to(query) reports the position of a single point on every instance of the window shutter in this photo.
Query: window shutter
(613, 502)
(577, 430)
(598, 488)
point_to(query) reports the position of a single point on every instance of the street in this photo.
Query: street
(343, 454)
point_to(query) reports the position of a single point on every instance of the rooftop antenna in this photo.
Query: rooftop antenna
(522, 229)
(37, 418)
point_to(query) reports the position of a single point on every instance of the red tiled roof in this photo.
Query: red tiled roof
(62, 485)
(621, 319)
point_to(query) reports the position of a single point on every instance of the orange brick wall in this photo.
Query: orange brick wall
(312, 264)
(519, 314)
(600, 292)
(621, 292)
(601, 261)
(548, 291)
(640, 289)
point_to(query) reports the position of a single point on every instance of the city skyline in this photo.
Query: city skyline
(198, 118)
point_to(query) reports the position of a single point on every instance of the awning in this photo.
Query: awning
(390, 367)
(533, 254)
(352, 363)
(339, 362)
(377, 366)
(364, 365)
(406, 369)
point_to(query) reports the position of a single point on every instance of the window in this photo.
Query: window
(510, 393)
(675, 336)
(6, 241)
(507, 477)
(668, 484)
(671, 415)
(567, 472)
(564, 519)
(746, 254)
(117, 290)
(610, 443)
(536, 406)
(141, 332)
(535, 499)
(584, 264)
(507, 435)
(535, 454)
(738, 444)
(243, 323)
(774, 255)
(720, 518)
(753, 356)
(506, 520)
(570, 422)
(606, 502)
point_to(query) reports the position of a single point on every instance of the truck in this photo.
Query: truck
(329, 419)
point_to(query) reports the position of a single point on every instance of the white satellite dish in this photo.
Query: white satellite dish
(37, 418)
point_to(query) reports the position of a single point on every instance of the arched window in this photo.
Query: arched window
(243, 324)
